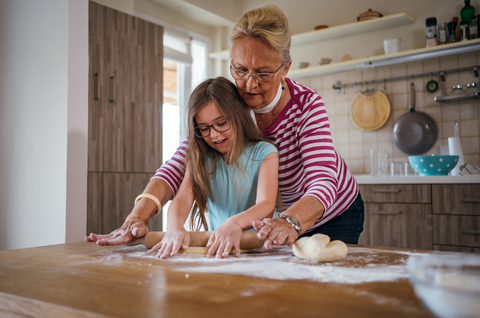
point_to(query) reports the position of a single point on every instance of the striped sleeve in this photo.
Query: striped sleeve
(317, 152)
(173, 170)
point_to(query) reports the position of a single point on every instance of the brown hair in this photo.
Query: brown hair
(224, 95)
(268, 23)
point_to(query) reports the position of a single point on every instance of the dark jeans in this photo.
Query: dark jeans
(346, 227)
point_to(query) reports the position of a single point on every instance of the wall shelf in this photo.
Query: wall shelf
(380, 60)
(338, 31)
(456, 99)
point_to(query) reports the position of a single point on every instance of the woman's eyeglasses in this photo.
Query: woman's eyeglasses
(260, 78)
(203, 131)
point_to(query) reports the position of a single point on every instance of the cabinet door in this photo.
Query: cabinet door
(126, 76)
(396, 193)
(119, 192)
(460, 199)
(399, 225)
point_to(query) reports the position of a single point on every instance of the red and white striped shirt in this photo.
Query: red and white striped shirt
(309, 165)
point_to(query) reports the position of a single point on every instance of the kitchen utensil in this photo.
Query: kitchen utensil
(324, 60)
(378, 162)
(415, 132)
(433, 165)
(448, 284)
(248, 241)
(368, 15)
(392, 46)
(321, 26)
(303, 64)
(431, 86)
(457, 90)
(370, 112)
(455, 149)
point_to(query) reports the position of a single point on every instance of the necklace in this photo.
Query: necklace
(272, 105)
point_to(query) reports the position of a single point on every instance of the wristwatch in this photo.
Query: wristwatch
(293, 222)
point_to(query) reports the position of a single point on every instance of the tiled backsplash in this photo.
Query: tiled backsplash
(354, 144)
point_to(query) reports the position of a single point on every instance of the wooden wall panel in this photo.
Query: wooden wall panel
(462, 249)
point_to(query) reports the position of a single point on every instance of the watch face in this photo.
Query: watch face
(293, 222)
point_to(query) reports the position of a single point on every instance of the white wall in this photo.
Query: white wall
(34, 120)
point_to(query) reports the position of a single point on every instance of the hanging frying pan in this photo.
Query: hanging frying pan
(415, 132)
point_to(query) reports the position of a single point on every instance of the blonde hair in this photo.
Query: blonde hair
(268, 23)
(203, 160)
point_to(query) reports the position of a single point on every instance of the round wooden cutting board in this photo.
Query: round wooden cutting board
(370, 112)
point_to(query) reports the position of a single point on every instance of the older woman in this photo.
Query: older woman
(318, 191)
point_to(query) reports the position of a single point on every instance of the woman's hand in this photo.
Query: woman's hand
(171, 243)
(224, 239)
(275, 231)
(132, 228)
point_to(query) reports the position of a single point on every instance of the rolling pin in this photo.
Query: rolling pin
(248, 241)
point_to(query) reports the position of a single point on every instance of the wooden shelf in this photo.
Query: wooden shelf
(379, 60)
(338, 31)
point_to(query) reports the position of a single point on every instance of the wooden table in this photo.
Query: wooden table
(84, 280)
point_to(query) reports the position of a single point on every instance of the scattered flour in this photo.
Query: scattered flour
(276, 265)
(370, 265)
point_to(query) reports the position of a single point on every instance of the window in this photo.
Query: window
(181, 74)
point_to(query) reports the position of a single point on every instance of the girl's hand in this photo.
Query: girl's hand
(171, 243)
(224, 239)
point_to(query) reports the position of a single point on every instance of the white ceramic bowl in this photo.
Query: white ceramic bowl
(324, 60)
(303, 64)
(448, 284)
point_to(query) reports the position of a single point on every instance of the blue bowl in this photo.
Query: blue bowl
(433, 165)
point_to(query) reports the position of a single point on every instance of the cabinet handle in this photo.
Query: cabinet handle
(471, 200)
(471, 232)
(387, 190)
(112, 89)
(389, 213)
(96, 87)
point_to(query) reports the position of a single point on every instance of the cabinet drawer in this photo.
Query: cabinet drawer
(396, 193)
(398, 225)
(462, 249)
(456, 230)
(456, 199)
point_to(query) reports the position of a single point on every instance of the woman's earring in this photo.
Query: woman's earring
(283, 87)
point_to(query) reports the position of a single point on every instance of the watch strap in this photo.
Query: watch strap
(293, 222)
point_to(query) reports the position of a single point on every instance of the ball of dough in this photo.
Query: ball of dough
(318, 248)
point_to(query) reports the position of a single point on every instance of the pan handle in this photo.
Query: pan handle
(412, 97)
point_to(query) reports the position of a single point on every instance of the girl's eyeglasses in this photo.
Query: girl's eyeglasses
(203, 131)
(260, 78)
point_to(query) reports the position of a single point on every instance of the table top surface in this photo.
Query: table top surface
(85, 280)
(387, 179)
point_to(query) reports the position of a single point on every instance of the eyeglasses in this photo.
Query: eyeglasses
(260, 78)
(203, 131)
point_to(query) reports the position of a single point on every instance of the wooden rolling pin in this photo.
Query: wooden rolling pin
(248, 241)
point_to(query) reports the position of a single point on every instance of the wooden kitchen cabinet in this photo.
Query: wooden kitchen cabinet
(397, 216)
(125, 114)
(456, 217)
(444, 217)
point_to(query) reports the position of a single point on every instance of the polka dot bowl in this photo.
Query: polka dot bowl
(433, 165)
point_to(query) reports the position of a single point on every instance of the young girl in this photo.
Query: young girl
(232, 172)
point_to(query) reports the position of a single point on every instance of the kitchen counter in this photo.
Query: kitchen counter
(387, 179)
(85, 280)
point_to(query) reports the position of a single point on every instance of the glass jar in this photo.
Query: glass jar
(442, 33)
(473, 28)
(451, 32)
(464, 31)
(431, 24)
